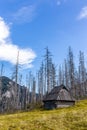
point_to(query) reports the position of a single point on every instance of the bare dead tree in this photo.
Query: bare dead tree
(71, 69)
(66, 74)
(15, 75)
(53, 75)
(60, 75)
(82, 74)
(34, 91)
(20, 79)
(48, 70)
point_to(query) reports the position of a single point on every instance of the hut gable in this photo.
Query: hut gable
(64, 95)
(58, 97)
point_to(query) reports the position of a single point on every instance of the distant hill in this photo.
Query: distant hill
(72, 118)
(12, 95)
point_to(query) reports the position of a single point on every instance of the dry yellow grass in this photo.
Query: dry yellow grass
(72, 118)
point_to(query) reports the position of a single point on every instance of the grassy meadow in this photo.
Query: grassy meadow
(72, 118)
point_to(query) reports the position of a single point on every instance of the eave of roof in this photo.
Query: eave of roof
(59, 100)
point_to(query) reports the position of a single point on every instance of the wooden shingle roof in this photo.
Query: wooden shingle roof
(59, 93)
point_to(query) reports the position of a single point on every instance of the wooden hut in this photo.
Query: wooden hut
(58, 97)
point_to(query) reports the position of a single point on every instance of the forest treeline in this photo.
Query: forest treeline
(49, 75)
(73, 76)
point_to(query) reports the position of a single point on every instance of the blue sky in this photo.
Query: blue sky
(30, 26)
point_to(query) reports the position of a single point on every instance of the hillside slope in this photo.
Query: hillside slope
(72, 118)
(12, 96)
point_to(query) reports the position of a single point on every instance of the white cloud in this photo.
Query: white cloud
(83, 13)
(9, 51)
(25, 14)
(4, 30)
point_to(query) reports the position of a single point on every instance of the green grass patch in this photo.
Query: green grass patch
(71, 118)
